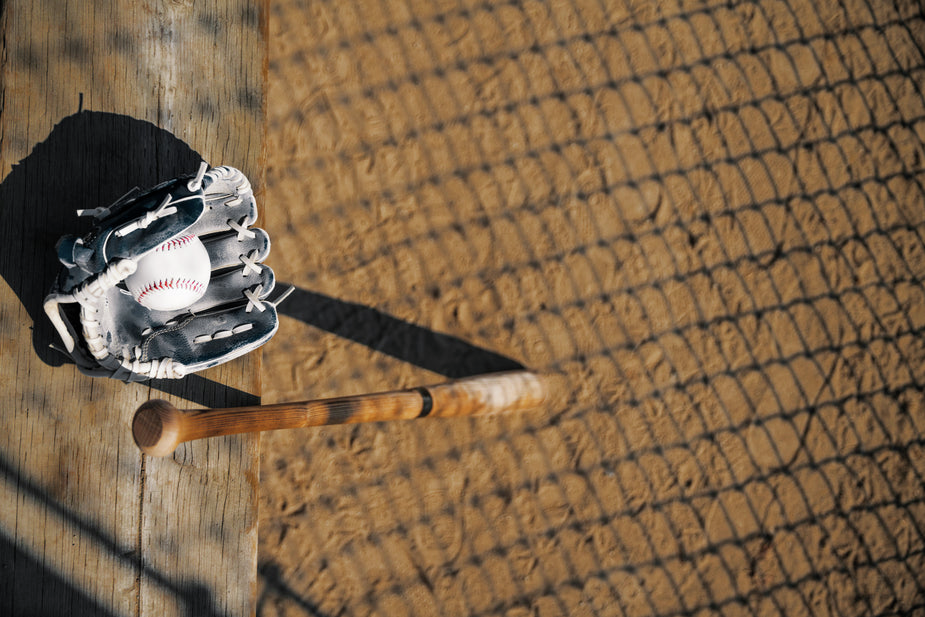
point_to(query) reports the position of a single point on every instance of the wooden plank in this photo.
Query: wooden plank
(95, 101)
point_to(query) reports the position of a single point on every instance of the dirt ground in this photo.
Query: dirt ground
(708, 216)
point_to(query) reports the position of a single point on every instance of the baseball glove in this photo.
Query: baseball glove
(108, 333)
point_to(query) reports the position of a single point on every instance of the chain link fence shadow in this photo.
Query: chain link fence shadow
(711, 219)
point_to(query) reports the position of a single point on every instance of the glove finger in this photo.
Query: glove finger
(147, 224)
(121, 313)
(208, 339)
(230, 250)
(229, 202)
(236, 286)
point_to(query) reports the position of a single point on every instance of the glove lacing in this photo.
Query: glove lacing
(89, 295)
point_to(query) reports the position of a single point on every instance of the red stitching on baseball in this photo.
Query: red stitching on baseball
(189, 284)
(175, 243)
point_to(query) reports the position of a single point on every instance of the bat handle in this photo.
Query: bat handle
(158, 427)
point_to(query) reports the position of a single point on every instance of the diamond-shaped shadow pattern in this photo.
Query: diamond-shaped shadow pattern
(711, 219)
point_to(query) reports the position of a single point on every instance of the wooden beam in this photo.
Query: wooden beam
(97, 99)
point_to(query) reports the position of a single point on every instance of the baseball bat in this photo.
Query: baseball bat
(158, 427)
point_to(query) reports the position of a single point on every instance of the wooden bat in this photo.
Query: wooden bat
(158, 427)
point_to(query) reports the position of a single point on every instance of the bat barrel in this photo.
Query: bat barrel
(488, 394)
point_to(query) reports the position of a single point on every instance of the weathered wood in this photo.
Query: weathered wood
(95, 100)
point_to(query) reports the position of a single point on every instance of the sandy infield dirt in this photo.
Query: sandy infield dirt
(708, 216)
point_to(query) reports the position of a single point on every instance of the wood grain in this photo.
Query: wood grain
(159, 427)
(96, 100)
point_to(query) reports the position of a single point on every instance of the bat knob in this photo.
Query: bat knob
(156, 427)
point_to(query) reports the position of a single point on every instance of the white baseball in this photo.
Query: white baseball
(172, 276)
